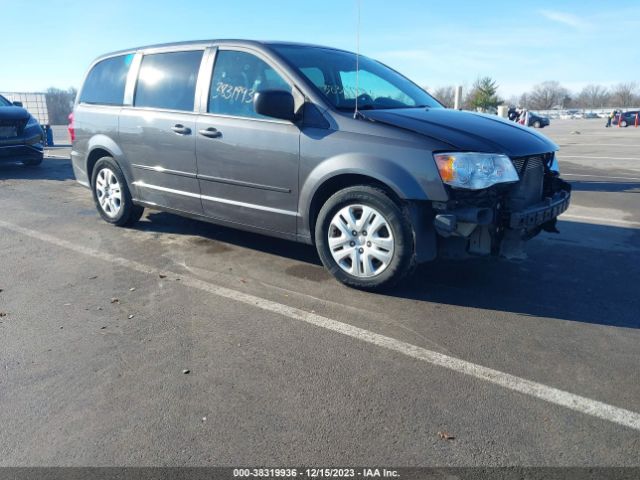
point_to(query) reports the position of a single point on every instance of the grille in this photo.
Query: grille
(8, 129)
(528, 190)
(12, 125)
(524, 164)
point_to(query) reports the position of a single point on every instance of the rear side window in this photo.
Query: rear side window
(106, 81)
(168, 80)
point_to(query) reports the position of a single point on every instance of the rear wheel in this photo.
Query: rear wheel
(111, 194)
(364, 239)
(624, 123)
(537, 124)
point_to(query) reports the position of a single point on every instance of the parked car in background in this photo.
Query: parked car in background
(21, 136)
(591, 115)
(278, 138)
(538, 121)
(626, 118)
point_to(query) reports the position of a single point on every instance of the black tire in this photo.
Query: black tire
(128, 213)
(624, 124)
(537, 124)
(403, 259)
(33, 162)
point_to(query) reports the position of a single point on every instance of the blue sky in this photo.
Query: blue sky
(519, 43)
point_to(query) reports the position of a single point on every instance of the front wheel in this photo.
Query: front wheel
(537, 124)
(364, 239)
(111, 194)
(624, 124)
(33, 162)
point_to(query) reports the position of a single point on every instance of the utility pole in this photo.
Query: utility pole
(457, 103)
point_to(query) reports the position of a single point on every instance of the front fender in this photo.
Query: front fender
(385, 171)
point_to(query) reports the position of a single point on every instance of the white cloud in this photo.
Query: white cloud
(567, 19)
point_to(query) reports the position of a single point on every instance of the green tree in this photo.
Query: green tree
(484, 94)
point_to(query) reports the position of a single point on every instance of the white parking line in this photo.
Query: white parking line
(598, 145)
(598, 158)
(564, 174)
(549, 394)
(599, 220)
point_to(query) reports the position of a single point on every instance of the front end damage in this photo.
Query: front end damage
(499, 220)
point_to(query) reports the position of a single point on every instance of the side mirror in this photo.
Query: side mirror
(17, 104)
(274, 103)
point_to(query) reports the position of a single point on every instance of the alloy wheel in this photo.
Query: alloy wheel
(361, 241)
(108, 192)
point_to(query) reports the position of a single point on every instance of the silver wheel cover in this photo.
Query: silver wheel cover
(361, 241)
(108, 192)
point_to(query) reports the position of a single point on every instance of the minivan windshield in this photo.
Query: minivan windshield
(333, 73)
(4, 102)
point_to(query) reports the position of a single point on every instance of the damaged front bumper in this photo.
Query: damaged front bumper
(486, 223)
(542, 213)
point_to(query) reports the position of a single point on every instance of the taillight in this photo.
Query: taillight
(71, 127)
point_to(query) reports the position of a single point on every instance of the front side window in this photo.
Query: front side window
(237, 76)
(106, 81)
(333, 73)
(168, 80)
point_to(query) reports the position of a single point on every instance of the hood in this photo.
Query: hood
(14, 113)
(467, 131)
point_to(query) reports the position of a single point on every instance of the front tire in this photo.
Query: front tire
(33, 162)
(624, 124)
(537, 124)
(364, 238)
(111, 194)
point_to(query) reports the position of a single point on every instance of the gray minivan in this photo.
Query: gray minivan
(312, 144)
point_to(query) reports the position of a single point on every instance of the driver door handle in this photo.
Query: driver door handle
(181, 129)
(210, 132)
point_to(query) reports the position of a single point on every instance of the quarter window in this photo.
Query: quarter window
(168, 80)
(105, 82)
(237, 76)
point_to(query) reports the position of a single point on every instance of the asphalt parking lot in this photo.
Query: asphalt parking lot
(523, 363)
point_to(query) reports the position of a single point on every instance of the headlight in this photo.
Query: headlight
(32, 121)
(555, 167)
(475, 170)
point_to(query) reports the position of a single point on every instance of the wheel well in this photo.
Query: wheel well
(336, 184)
(94, 156)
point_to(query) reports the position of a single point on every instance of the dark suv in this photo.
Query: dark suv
(538, 121)
(627, 118)
(21, 136)
(296, 142)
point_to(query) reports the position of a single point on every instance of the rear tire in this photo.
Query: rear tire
(537, 124)
(624, 124)
(111, 194)
(380, 253)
